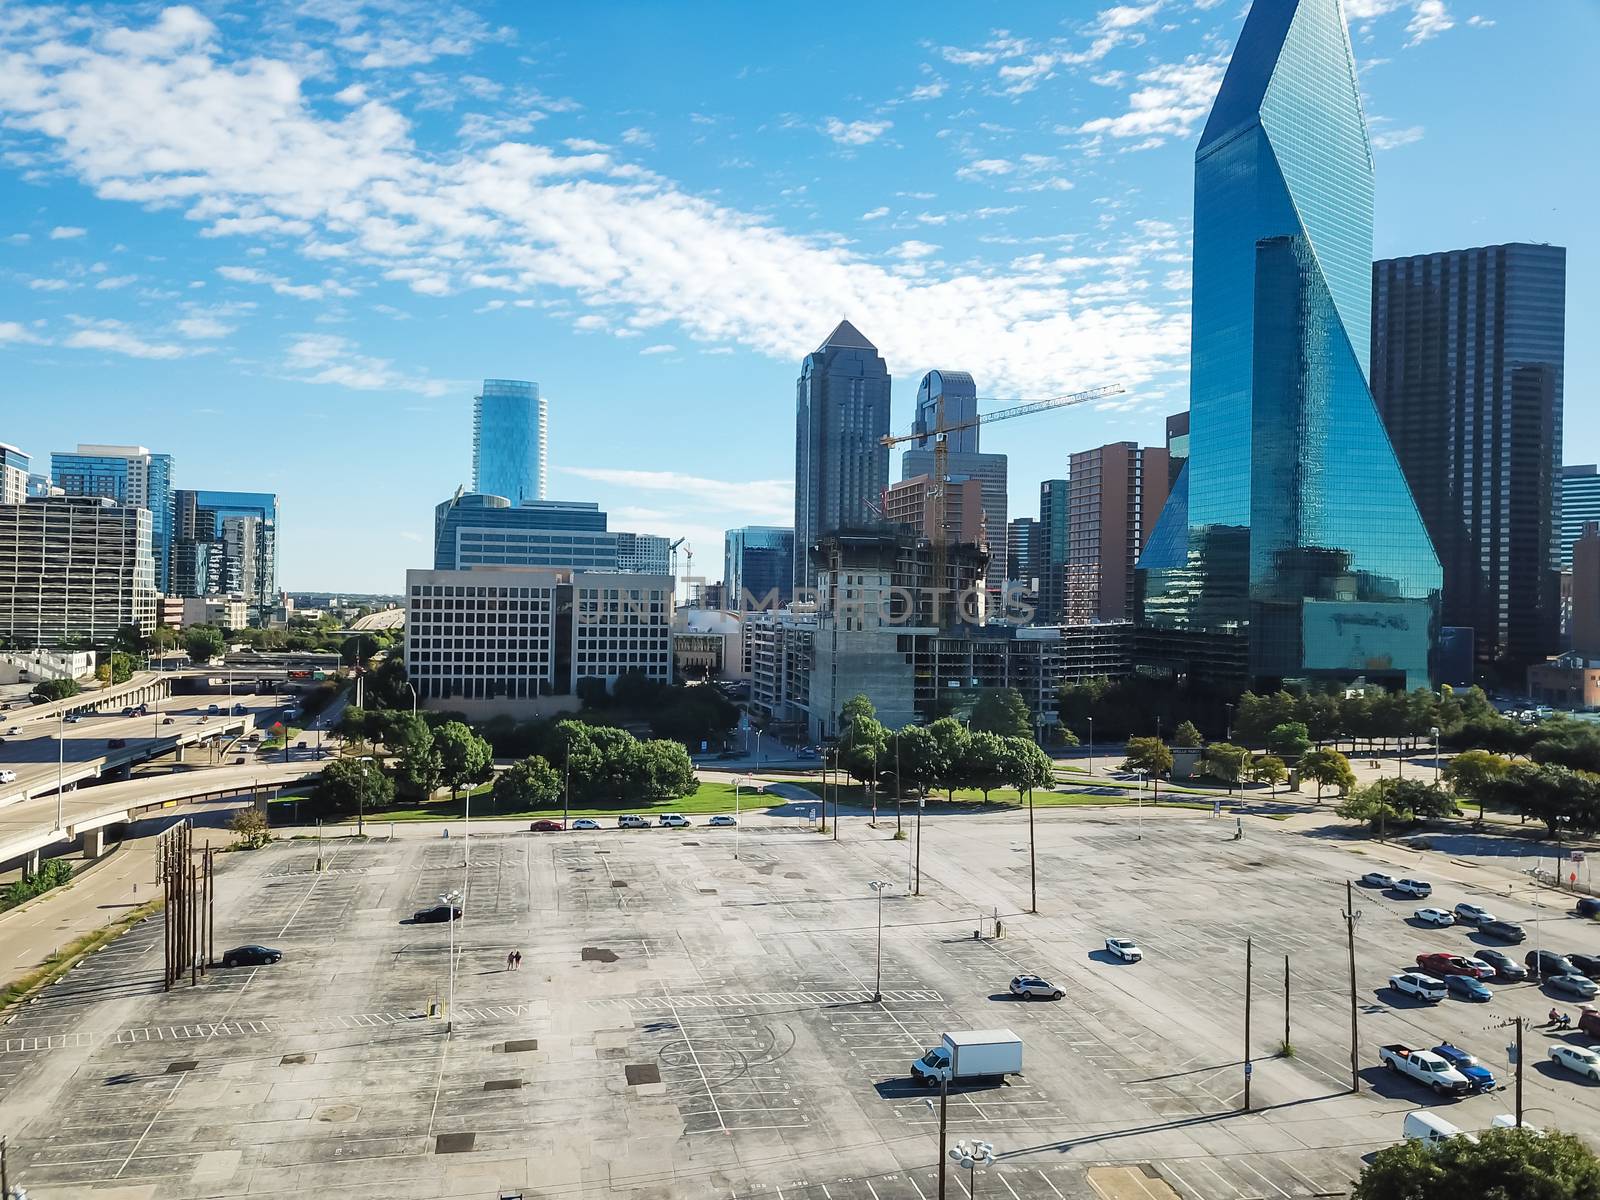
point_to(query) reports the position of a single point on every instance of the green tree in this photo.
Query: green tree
(660, 770)
(986, 762)
(1564, 799)
(464, 757)
(1319, 713)
(351, 785)
(1026, 766)
(1394, 801)
(163, 638)
(47, 690)
(638, 692)
(1002, 711)
(128, 640)
(1149, 755)
(916, 750)
(949, 739)
(356, 724)
(1268, 769)
(1187, 736)
(1568, 744)
(1327, 768)
(1225, 762)
(419, 768)
(202, 643)
(528, 784)
(1288, 740)
(1468, 772)
(250, 823)
(1502, 1163)
(863, 740)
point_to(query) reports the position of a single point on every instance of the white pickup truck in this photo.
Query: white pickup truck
(1426, 1068)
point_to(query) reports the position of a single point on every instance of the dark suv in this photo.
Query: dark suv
(438, 913)
(1505, 967)
(1548, 962)
(1506, 931)
(1587, 964)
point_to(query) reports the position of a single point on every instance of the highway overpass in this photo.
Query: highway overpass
(145, 687)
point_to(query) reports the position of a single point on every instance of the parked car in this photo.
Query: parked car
(127, 712)
(1415, 983)
(250, 956)
(1466, 987)
(168, 721)
(1420, 888)
(1441, 965)
(1377, 879)
(1430, 1129)
(1032, 987)
(1588, 906)
(546, 827)
(1426, 1067)
(7, 776)
(1505, 967)
(1506, 931)
(116, 743)
(1124, 948)
(1579, 986)
(586, 823)
(1434, 916)
(213, 708)
(632, 822)
(673, 821)
(438, 913)
(1548, 962)
(1478, 1076)
(72, 718)
(1589, 1021)
(1580, 1060)
(722, 820)
(1471, 914)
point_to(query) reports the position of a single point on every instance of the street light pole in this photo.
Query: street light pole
(361, 804)
(1435, 732)
(922, 802)
(1091, 745)
(413, 692)
(61, 763)
(736, 782)
(878, 885)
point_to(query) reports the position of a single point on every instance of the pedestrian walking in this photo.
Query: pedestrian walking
(519, 960)
(516, 960)
(511, 960)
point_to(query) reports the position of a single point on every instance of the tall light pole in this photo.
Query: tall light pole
(1435, 732)
(758, 750)
(736, 782)
(61, 762)
(413, 692)
(878, 885)
(972, 1155)
(450, 899)
(1091, 745)
(361, 804)
(922, 802)
(566, 790)
(944, 1107)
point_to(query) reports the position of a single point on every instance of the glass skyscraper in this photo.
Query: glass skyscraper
(510, 441)
(227, 543)
(757, 562)
(129, 475)
(840, 464)
(1580, 504)
(1291, 532)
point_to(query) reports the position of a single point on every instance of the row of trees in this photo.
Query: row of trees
(943, 755)
(1232, 765)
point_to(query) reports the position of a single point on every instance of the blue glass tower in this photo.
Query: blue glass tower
(128, 475)
(1292, 530)
(510, 441)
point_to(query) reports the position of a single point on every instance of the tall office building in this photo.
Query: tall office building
(489, 531)
(74, 567)
(129, 475)
(13, 475)
(644, 554)
(840, 464)
(510, 441)
(1291, 548)
(1580, 504)
(1114, 495)
(1467, 353)
(960, 396)
(1177, 446)
(758, 567)
(989, 471)
(1050, 550)
(1022, 535)
(1586, 592)
(227, 542)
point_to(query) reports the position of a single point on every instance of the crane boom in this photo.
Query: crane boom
(1023, 409)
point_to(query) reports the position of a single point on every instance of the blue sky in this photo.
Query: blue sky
(284, 243)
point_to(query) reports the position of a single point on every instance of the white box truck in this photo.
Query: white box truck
(969, 1055)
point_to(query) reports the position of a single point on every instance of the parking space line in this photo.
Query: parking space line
(1215, 1174)
(1260, 1176)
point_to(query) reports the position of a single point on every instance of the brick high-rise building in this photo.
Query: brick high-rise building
(1115, 494)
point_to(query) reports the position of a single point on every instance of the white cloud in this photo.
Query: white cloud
(1478, 22)
(911, 249)
(112, 282)
(202, 326)
(228, 137)
(63, 232)
(1172, 102)
(1393, 139)
(1024, 64)
(855, 133)
(1366, 10)
(117, 338)
(1428, 20)
(326, 358)
(986, 167)
(49, 285)
(14, 332)
(928, 91)
(876, 214)
(662, 348)
(638, 137)
(765, 497)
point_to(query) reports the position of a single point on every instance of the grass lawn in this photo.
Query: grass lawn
(707, 798)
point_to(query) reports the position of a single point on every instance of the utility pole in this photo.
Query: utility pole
(1519, 1072)
(1033, 866)
(922, 802)
(897, 782)
(1355, 1036)
(1287, 1044)
(1248, 1068)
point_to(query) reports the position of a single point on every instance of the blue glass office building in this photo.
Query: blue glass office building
(758, 564)
(509, 441)
(1292, 532)
(227, 543)
(490, 531)
(128, 475)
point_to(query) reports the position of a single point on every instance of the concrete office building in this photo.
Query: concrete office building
(644, 554)
(1291, 547)
(758, 567)
(780, 644)
(1115, 493)
(990, 471)
(13, 475)
(1468, 351)
(510, 441)
(129, 475)
(491, 641)
(74, 567)
(841, 465)
(1580, 504)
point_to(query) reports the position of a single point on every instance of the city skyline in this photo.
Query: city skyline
(291, 367)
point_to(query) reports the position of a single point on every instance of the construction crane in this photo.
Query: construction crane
(941, 450)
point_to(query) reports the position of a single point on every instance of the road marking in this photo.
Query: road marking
(689, 1042)
(1048, 1184)
(154, 1117)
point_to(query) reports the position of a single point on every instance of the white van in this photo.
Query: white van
(1422, 1126)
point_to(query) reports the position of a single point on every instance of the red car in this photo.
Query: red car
(546, 827)
(1440, 965)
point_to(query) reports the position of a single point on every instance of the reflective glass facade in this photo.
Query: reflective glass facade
(1292, 525)
(227, 542)
(489, 531)
(129, 475)
(758, 561)
(510, 441)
